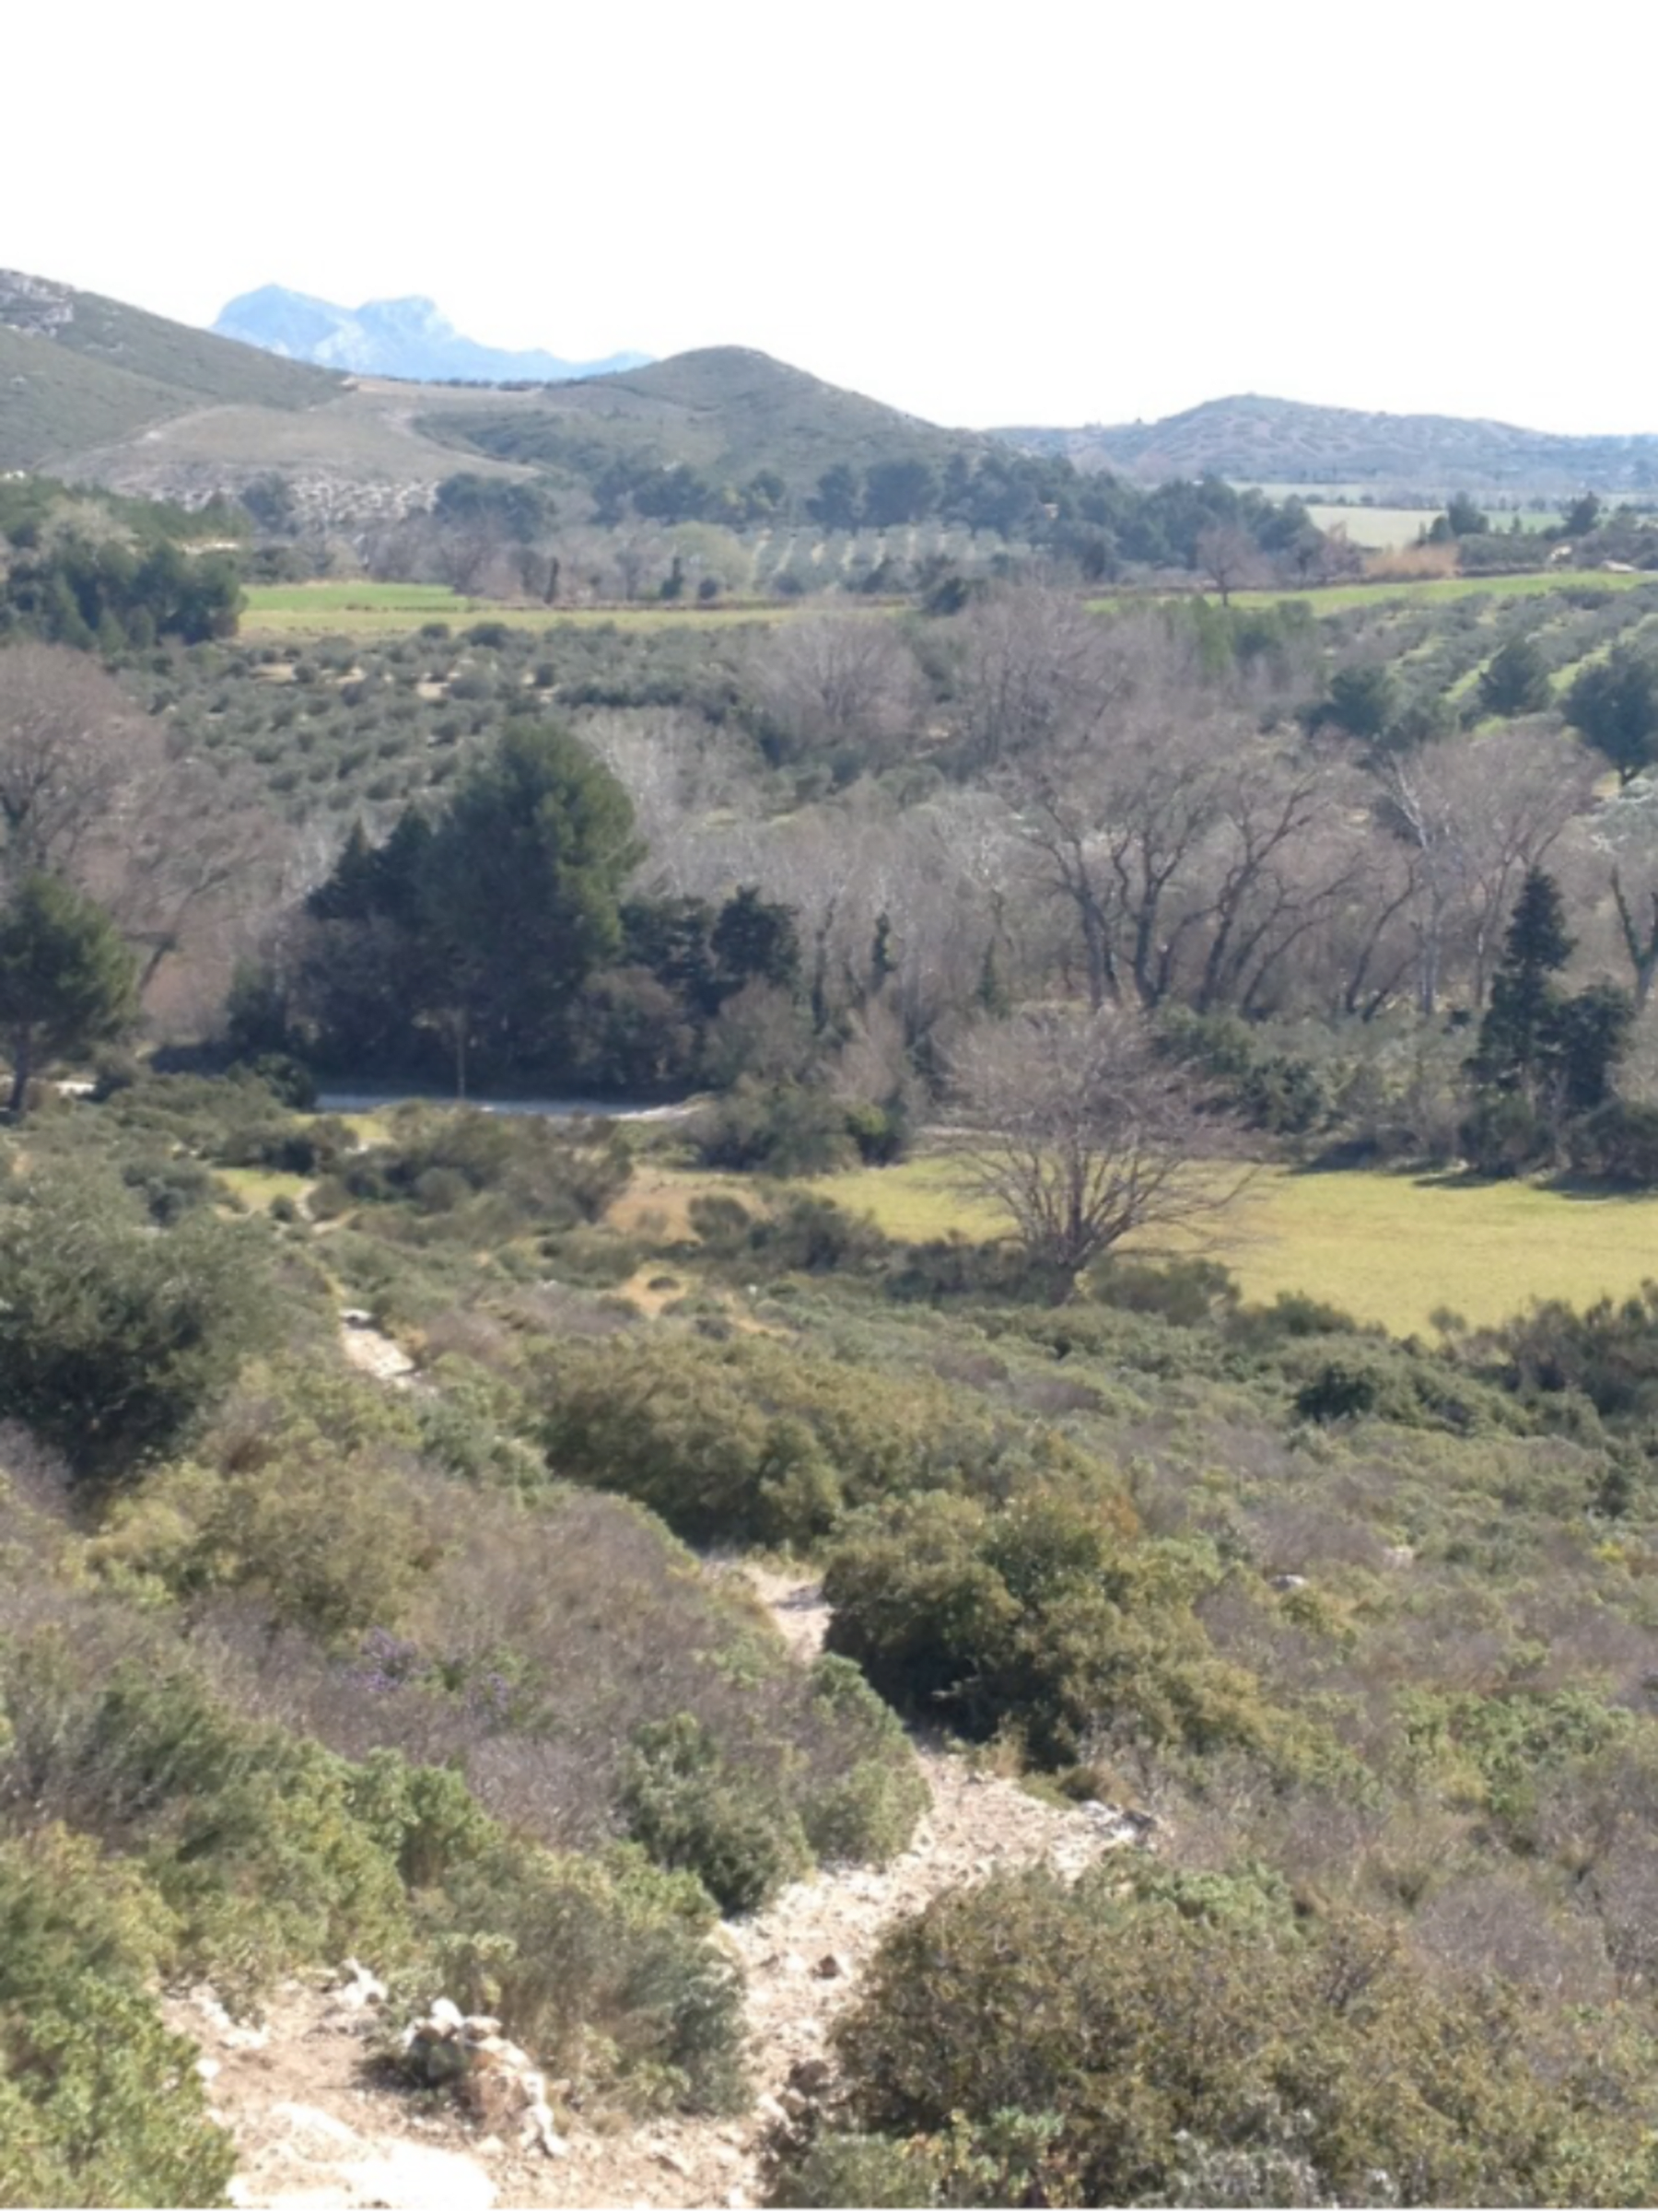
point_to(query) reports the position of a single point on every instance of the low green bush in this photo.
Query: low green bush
(856, 2171)
(1045, 1619)
(98, 2103)
(753, 1439)
(689, 1810)
(1033, 2043)
(807, 1234)
(115, 1338)
(863, 1805)
(784, 1128)
(495, 1173)
(251, 1852)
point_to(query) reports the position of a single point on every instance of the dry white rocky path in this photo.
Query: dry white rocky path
(314, 2133)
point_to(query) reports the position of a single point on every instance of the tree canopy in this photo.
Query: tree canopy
(1081, 1133)
(1614, 703)
(482, 926)
(66, 980)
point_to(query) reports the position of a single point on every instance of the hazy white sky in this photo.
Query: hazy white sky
(1039, 213)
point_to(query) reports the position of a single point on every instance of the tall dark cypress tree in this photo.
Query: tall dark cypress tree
(1543, 1057)
(1524, 1016)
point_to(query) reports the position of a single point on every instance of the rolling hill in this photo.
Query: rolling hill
(98, 392)
(724, 409)
(79, 372)
(405, 338)
(1255, 440)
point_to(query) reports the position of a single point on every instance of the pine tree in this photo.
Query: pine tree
(66, 980)
(1543, 1057)
(1524, 1009)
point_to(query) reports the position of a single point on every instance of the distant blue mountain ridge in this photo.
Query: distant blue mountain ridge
(391, 338)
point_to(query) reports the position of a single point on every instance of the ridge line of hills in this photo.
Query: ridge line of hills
(1253, 438)
(94, 390)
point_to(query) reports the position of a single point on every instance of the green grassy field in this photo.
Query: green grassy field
(394, 610)
(1330, 599)
(370, 610)
(1387, 1247)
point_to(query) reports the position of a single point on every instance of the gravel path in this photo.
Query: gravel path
(315, 2132)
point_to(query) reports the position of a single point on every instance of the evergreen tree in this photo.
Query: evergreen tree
(483, 926)
(1523, 1012)
(1614, 704)
(756, 941)
(1543, 1057)
(1516, 681)
(66, 980)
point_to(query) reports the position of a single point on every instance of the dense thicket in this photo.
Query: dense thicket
(108, 596)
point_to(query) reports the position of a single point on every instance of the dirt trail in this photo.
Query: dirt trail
(802, 1957)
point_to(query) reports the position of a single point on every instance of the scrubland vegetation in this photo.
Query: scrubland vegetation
(294, 1666)
(1087, 927)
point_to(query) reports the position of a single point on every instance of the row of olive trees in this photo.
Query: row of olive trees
(115, 851)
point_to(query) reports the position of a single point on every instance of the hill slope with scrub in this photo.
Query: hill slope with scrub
(1254, 440)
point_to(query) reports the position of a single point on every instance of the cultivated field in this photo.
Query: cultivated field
(371, 610)
(368, 610)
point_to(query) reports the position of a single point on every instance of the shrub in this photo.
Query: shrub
(1338, 1392)
(99, 2104)
(113, 1338)
(533, 1169)
(170, 1188)
(853, 2171)
(1044, 2043)
(1369, 1377)
(599, 1967)
(1618, 1143)
(1186, 1292)
(689, 1811)
(264, 1852)
(783, 1129)
(869, 1808)
(1608, 1352)
(1044, 1619)
(751, 1439)
(807, 1234)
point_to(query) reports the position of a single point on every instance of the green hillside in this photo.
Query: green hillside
(56, 403)
(725, 409)
(79, 372)
(1252, 440)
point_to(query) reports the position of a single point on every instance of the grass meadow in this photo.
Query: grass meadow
(1333, 599)
(370, 610)
(1390, 1247)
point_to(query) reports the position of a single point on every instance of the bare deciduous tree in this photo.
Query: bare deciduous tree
(92, 791)
(1230, 558)
(846, 684)
(1192, 852)
(1478, 814)
(73, 753)
(1080, 1133)
(1036, 667)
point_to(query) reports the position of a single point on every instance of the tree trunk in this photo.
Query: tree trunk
(22, 1064)
(1641, 947)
